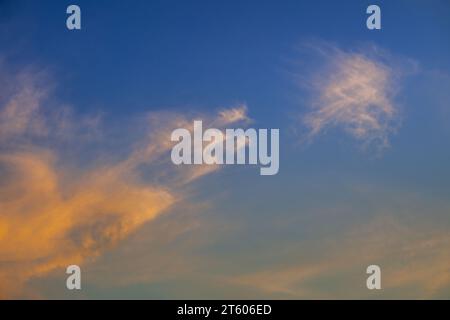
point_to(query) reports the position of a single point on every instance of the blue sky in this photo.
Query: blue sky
(235, 233)
(173, 54)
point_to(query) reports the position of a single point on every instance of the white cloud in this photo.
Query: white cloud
(354, 91)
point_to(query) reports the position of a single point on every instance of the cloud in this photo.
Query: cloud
(42, 227)
(238, 114)
(55, 212)
(413, 257)
(355, 91)
(405, 233)
(19, 114)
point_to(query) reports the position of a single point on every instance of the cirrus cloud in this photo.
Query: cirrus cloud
(56, 210)
(355, 91)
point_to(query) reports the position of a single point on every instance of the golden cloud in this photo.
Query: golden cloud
(54, 213)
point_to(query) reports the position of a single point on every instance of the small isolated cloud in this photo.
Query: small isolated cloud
(354, 91)
(56, 210)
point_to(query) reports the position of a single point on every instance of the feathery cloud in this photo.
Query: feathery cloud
(355, 91)
(52, 213)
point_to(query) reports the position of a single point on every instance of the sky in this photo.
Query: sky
(85, 170)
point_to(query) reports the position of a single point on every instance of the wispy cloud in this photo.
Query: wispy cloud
(413, 259)
(55, 212)
(20, 104)
(354, 91)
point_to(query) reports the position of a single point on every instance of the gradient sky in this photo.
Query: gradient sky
(86, 177)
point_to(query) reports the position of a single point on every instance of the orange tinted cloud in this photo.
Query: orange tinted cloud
(54, 213)
(44, 227)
